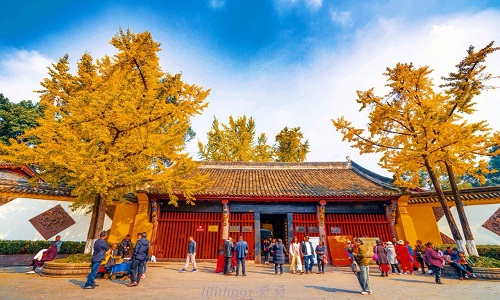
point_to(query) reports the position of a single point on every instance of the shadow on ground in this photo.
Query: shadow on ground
(17, 269)
(330, 289)
(77, 282)
(412, 280)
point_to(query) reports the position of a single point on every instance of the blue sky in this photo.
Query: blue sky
(284, 62)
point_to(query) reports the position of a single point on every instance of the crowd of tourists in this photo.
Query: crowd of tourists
(400, 258)
(395, 256)
(138, 260)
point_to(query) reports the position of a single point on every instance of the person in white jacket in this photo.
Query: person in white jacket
(295, 256)
(391, 257)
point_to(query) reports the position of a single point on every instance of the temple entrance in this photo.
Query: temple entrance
(274, 226)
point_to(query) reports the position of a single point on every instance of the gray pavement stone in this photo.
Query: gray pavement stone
(164, 281)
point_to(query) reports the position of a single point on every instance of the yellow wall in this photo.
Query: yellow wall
(405, 227)
(425, 223)
(131, 218)
(142, 219)
(123, 222)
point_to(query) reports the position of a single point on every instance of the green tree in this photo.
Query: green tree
(16, 118)
(116, 126)
(289, 145)
(418, 129)
(493, 178)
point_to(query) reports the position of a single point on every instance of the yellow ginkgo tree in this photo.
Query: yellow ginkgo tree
(116, 125)
(418, 128)
(236, 142)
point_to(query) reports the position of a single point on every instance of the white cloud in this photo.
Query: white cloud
(21, 73)
(343, 18)
(305, 95)
(310, 96)
(286, 5)
(217, 3)
(314, 4)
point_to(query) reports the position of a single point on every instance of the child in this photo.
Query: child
(466, 263)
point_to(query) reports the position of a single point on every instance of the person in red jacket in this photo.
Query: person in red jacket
(48, 255)
(404, 258)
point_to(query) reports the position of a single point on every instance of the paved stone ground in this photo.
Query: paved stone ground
(164, 281)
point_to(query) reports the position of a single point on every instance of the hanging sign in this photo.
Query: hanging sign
(313, 229)
(213, 228)
(300, 229)
(234, 228)
(246, 228)
(336, 230)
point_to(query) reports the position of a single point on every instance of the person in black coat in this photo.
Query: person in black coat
(279, 256)
(228, 255)
(139, 258)
(100, 248)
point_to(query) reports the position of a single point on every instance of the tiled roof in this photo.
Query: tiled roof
(267, 180)
(23, 169)
(294, 180)
(473, 194)
(22, 186)
(9, 175)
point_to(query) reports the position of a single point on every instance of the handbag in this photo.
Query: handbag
(354, 267)
(375, 255)
(324, 258)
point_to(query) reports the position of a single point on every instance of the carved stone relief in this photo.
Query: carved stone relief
(493, 223)
(52, 221)
(438, 213)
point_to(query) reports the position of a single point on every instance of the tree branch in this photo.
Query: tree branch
(140, 73)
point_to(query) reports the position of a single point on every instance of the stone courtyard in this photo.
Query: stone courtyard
(165, 282)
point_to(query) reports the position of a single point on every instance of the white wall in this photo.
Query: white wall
(15, 216)
(476, 215)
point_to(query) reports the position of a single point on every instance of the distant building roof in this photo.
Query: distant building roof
(473, 194)
(22, 170)
(14, 179)
(294, 180)
(22, 186)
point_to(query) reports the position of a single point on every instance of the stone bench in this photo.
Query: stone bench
(483, 273)
(20, 259)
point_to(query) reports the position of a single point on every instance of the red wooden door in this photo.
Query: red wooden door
(244, 222)
(174, 229)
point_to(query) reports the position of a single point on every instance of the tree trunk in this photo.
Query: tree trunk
(447, 213)
(96, 222)
(469, 238)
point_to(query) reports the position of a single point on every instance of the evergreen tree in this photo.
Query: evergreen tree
(16, 118)
(493, 179)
